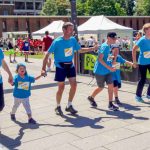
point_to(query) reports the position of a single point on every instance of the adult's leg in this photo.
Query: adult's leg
(143, 70)
(1, 97)
(148, 90)
(73, 87)
(59, 93)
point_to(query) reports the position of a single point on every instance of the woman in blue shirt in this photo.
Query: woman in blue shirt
(143, 61)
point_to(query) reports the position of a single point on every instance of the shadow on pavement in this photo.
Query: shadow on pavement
(78, 121)
(13, 143)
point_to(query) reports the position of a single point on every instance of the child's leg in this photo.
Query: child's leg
(17, 102)
(115, 91)
(27, 107)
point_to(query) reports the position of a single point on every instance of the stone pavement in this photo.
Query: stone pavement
(92, 129)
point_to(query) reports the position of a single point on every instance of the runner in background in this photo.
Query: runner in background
(26, 48)
(47, 41)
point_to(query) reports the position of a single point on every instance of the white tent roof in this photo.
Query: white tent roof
(54, 28)
(99, 25)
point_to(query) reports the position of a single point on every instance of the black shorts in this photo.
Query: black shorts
(116, 84)
(62, 73)
(1, 97)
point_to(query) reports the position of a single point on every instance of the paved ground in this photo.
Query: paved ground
(92, 129)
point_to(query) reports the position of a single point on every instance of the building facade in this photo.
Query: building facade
(34, 23)
(25, 7)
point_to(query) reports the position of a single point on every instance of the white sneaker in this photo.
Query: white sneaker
(48, 70)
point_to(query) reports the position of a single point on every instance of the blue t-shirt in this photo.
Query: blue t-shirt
(116, 74)
(99, 68)
(144, 44)
(26, 46)
(64, 49)
(1, 58)
(22, 87)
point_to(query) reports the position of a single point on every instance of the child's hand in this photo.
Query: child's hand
(43, 73)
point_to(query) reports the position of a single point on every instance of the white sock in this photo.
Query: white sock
(58, 105)
(69, 103)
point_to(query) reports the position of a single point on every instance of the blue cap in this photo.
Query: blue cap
(21, 64)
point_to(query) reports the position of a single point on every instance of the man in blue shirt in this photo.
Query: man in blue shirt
(10, 78)
(102, 71)
(63, 48)
(143, 61)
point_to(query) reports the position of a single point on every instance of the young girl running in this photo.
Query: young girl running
(21, 92)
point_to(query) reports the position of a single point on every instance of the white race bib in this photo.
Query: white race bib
(68, 51)
(23, 85)
(26, 44)
(116, 65)
(147, 54)
(110, 57)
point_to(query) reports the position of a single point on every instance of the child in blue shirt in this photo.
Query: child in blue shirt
(22, 91)
(117, 61)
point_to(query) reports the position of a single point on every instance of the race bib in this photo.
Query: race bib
(147, 54)
(110, 57)
(68, 52)
(116, 65)
(23, 85)
(26, 44)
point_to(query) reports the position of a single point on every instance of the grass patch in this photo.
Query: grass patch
(36, 56)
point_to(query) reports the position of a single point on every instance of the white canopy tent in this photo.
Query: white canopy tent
(101, 25)
(55, 29)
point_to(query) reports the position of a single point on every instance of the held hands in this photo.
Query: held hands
(10, 79)
(43, 73)
(112, 69)
(134, 65)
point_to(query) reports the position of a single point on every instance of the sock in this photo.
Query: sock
(69, 103)
(110, 103)
(116, 98)
(58, 105)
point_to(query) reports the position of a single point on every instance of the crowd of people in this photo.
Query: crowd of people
(106, 69)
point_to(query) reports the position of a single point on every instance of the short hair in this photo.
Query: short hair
(66, 25)
(46, 33)
(145, 27)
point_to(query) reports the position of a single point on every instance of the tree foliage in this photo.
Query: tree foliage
(142, 8)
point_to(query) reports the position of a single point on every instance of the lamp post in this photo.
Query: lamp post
(74, 16)
(74, 21)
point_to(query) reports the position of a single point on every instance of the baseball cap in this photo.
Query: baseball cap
(114, 46)
(20, 64)
(112, 34)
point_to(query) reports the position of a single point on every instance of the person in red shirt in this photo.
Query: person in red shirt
(47, 41)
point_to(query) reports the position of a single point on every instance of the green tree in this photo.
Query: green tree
(142, 8)
(49, 8)
(55, 7)
(62, 7)
(120, 11)
(81, 7)
(101, 7)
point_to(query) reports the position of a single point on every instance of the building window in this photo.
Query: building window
(19, 5)
(4, 26)
(30, 5)
(5, 12)
(38, 6)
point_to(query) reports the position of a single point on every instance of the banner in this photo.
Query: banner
(89, 61)
(128, 73)
(148, 75)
